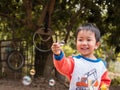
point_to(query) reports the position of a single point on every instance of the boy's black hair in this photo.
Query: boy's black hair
(91, 27)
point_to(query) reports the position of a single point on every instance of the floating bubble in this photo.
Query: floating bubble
(26, 80)
(51, 82)
(62, 43)
(32, 72)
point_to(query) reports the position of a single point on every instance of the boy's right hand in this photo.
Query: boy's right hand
(56, 48)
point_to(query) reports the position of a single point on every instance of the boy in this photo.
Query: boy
(85, 71)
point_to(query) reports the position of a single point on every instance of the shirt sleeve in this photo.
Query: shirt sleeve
(64, 65)
(105, 80)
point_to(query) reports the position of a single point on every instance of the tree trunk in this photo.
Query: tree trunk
(49, 67)
(43, 60)
(40, 61)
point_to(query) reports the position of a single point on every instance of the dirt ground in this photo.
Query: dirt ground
(37, 84)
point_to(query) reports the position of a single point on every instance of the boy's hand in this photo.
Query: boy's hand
(56, 48)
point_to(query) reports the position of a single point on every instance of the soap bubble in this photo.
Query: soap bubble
(51, 82)
(26, 80)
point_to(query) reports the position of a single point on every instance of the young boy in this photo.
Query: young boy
(85, 71)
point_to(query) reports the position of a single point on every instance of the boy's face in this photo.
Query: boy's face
(86, 43)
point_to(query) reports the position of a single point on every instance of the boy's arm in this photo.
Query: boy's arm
(105, 80)
(64, 65)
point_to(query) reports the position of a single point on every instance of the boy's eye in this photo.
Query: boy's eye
(88, 39)
(80, 40)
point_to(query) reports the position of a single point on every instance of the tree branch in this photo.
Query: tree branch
(28, 8)
(70, 25)
(48, 8)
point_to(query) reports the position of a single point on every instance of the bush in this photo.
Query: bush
(115, 81)
(68, 50)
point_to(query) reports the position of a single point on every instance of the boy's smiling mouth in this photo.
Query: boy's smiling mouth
(84, 48)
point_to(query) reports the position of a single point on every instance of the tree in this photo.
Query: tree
(27, 16)
(112, 21)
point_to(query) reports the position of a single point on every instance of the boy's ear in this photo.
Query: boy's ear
(97, 45)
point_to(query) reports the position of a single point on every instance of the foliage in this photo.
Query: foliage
(68, 50)
(115, 81)
(23, 15)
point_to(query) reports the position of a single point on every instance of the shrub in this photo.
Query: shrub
(115, 81)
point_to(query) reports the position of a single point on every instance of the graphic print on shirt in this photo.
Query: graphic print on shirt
(88, 81)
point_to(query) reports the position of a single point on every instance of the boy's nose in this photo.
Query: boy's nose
(84, 42)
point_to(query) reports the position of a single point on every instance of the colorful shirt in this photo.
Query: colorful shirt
(83, 73)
